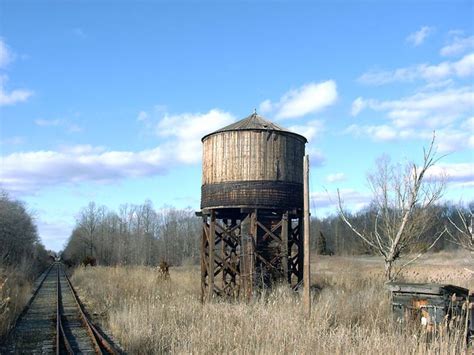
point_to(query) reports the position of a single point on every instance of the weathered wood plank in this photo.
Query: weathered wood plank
(249, 155)
(433, 289)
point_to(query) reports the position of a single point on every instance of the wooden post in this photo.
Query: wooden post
(252, 251)
(204, 268)
(210, 271)
(284, 246)
(245, 257)
(224, 256)
(306, 268)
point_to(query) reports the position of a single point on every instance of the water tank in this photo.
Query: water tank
(253, 163)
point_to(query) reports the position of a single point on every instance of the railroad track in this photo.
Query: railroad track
(54, 321)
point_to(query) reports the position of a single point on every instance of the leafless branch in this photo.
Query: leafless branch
(349, 224)
(420, 254)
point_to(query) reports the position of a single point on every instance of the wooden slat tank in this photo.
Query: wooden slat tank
(253, 163)
(251, 205)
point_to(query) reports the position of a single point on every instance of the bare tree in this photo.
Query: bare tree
(18, 234)
(404, 205)
(461, 229)
(88, 222)
(20, 246)
(136, 235)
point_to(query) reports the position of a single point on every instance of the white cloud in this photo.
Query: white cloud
(142, 116)
(16, 140)
(448, 140)
(336, 177)
(16, 95)
(357, 106)
(417, 116)
(453, 172)
(26, 172)
(309, 98)
(70, 127)
(316, 156)
(266, 106)
(468, 124)
(376, 132)
(82, 149)
(465, 66)
(458, 45)
(47, 123)
(426, 108)
(453, 139)
(462, 68)
(54, 233)
(186, 130)
(6, 55)
(418, 37)
(74, 128)
(352, 199)
(309, 130)
(12, 97)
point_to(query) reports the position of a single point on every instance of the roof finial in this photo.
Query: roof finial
(255, 111)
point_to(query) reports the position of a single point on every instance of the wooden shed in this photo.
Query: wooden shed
(432, 305)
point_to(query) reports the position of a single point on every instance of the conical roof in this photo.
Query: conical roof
(252, 123)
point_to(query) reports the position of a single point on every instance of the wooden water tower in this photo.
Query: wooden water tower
(251, 205)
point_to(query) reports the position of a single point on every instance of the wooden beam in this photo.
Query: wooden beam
(245, 257)
(284, 245)
(252, 245)
(211, 238)
(306, 268)
(203, 258)
(270, 232)
(223, 254)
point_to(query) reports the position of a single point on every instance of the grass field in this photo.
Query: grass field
(15, 291)
(351, 312)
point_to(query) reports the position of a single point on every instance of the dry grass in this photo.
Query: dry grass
(350, 314)
(448, 268)
(15, 291)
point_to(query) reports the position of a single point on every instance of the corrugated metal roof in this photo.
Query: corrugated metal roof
(253, 122)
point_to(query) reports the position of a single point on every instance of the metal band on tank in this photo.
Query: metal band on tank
(269, 194)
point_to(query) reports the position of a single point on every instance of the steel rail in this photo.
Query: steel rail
(62, 341)
(98, 340)
(48, 270)
(60, 334)
(58, 312)
(32, 298)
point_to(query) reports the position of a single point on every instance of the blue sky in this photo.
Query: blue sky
(107, 101)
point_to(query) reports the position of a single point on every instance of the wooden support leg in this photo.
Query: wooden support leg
(204, 260)
(247, 266)
(212, 236)
(300, 250)
(251, 245)
(284, 246)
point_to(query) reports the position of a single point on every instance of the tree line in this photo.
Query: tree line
(406, 218)
(142, 235)
(134, 235)
(22, 258)
(339, 239)
(20, 245)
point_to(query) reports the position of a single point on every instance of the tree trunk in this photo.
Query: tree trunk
(388, 270)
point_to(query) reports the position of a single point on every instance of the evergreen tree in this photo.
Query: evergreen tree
(321, 247)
